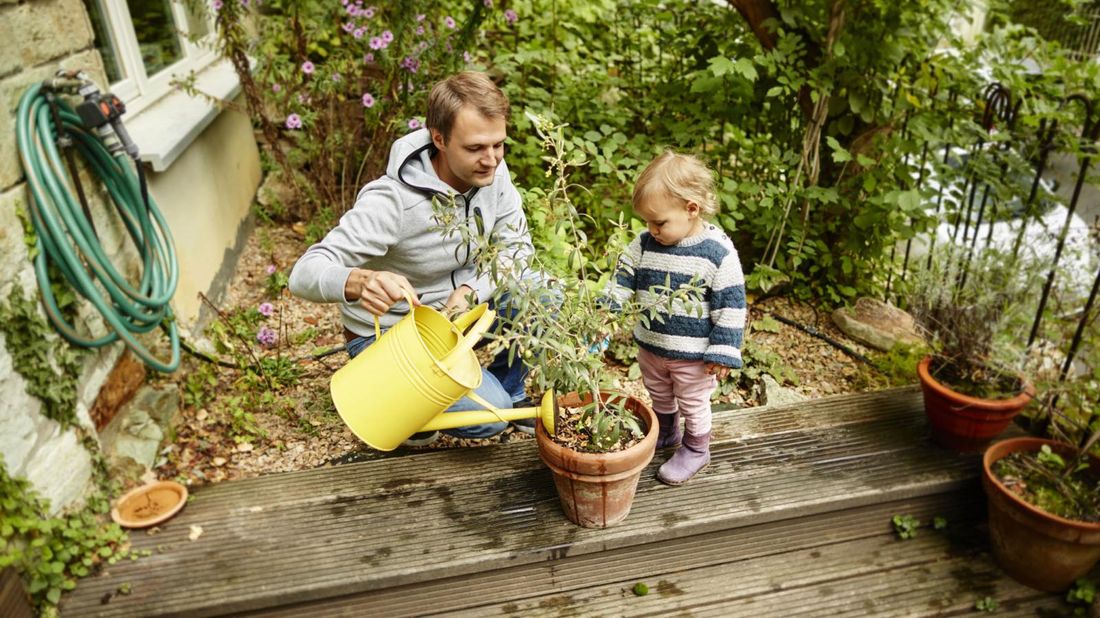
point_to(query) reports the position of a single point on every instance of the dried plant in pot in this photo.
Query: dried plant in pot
(558, 316)
(972, 310)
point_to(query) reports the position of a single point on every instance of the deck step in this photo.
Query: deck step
(305, 537)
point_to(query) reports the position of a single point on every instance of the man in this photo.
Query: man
(390, 244)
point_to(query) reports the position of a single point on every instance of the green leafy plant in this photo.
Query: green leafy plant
(986, 604)
(1083, 592)
(1053, 483)
(640, 589)
(53, 551)
(905, 526)
(939, 523)
(48, 364)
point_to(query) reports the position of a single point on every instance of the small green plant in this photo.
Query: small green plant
(905, 526)
(1081, 595)
(52, 552)
(939, 523)
(640, 589)
(275, 282)
(986, 604)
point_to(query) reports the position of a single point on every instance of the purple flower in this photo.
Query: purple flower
(369, 57)
(307, 67)
(420, 30)
(387, 37)
(270, 270)
(467, 57)
(294, 121)
(369, 12)
(359, 32)
(488, 4)
(410, 64)
(266, 309)
(368, 99)
(349, 26)
(422, 46)
(414, 123)
(510, 16)
(377, 43)
(276, 87)
(303, 97)
(420, 17)
(449, 22)
(266, 336)
(217, 5)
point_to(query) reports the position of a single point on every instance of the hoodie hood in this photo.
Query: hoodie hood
(410, 164)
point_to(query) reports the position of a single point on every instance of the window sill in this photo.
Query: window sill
(165, 129)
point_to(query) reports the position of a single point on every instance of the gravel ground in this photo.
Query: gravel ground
(299, 428)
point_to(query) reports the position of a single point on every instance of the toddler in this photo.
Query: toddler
(684, 352)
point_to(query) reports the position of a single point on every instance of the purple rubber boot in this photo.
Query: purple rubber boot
(692, 456)
(668, 430)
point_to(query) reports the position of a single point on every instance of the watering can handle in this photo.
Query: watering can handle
(482, 319)
(378, 326)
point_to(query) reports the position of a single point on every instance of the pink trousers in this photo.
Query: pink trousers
(679, 385)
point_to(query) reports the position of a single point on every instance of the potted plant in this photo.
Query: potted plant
(1044, 494)
(971, 310)
(557, 323)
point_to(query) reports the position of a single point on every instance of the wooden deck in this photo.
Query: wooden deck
(792, 517)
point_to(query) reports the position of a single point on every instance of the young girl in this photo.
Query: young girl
(683, 352)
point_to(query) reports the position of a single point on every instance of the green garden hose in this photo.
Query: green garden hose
(66, 237)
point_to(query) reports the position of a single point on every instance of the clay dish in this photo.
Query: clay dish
(149, 505)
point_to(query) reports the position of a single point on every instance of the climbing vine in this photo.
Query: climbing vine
(49, 366)
(51, 552)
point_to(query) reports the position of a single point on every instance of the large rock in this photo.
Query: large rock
(877, 324)
(131, 441)
(770, 393)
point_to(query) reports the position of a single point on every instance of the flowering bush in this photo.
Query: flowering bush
(336, 81)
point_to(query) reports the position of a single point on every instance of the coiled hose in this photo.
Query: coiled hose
(66, 237)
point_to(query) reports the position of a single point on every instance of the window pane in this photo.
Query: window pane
(104, 42)
(197, 24)
(156, 33)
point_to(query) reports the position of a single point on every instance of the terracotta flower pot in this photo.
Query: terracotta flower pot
(597, 489)
(1036, 548)
(149, 505)
(964, 423)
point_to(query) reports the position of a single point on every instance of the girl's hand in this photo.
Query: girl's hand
(717, 370)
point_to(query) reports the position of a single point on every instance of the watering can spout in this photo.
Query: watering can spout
(546, 412)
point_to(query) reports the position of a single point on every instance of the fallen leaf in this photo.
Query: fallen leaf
(299, 228)
(196, 532)
(244, 447)
(219, 461)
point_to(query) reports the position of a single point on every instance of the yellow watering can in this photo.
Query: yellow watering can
(402, 383)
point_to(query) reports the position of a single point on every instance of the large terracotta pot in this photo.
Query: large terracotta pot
(597, 489)
(1034, 547)
(964, 423)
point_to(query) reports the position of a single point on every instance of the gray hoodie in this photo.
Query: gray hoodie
(392, 227)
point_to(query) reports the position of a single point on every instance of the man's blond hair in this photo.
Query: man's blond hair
(465, 88)
(679, 176)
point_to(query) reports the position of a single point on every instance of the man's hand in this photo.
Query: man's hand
(717, 370)
(377, 290)
(458, 302)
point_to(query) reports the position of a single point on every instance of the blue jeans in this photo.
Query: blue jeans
(490, 390)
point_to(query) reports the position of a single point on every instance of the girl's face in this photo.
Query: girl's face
(669, 219)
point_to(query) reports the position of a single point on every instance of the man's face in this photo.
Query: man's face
(476, 147)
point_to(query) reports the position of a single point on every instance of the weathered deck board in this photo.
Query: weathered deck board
(876, 576)
(545, 579)
(309, 536)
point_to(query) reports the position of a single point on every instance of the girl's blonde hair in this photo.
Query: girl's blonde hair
(680, 176)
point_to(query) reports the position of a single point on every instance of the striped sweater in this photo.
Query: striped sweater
(710, 330)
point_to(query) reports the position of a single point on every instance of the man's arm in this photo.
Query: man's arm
(336, 269)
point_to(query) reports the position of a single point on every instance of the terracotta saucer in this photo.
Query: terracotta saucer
(149, 505)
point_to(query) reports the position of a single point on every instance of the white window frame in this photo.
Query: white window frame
(136, 88)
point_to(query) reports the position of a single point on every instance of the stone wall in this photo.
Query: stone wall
(37, 38)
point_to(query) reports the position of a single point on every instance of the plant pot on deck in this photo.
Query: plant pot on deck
(1034, 547)
(597, 489)
(964, 423)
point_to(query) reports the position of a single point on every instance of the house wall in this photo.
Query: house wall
(205, 195)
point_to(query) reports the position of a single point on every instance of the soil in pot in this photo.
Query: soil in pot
(575, 429)
(974, 380)
(1045, 480)
(150, 504)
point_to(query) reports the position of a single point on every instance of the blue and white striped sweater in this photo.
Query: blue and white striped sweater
(710, 329)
